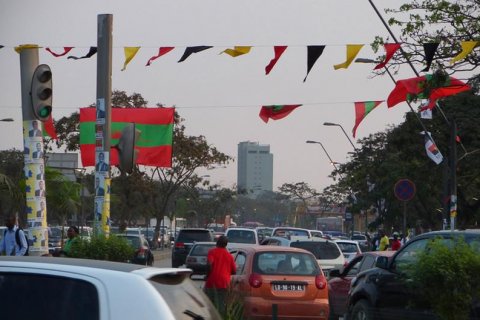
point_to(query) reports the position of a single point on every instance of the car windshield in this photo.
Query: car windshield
(321, 250)
(194, 236)
(241, 236)
(279, 262)
(201, 249)
(347, 247)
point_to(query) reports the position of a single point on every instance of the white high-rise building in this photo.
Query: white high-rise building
(254, 167)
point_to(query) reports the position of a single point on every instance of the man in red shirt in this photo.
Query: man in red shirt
(220, 267)
(396, 244)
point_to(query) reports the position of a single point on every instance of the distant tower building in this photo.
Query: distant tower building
(255, 167)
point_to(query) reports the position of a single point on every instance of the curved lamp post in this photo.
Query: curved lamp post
(331, 124)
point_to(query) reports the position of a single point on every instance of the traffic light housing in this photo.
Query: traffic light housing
(41, 92)
(126, 148)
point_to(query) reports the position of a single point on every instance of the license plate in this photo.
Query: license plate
(288, 287)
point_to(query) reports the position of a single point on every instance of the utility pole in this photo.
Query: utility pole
(103, 124)
(38, 77)
(453, 174)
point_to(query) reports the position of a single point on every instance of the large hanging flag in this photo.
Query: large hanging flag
(161, 52)
(390, 49)
(352, 51)
(190, 50)
(430, 49)
(467, 47)
(278, 50)
(56, 55)
(313, 53)
(431, 148)
(91, 53)
(130, 53)
(276, 112)
(237, 51)
(425, 87)
(154, 144)
(49, 128)
(361, 110)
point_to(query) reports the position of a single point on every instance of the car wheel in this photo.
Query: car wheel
(362, 310)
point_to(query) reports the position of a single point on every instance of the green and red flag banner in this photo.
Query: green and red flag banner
(361, 110)
(276, 112)
(190, 50)
(56, 55)
(49, 128)
(161, 52)
(91, 53)
(313, 53)
(278, 50)
(154, 145)
(390, 49)
(430, 49)
(425, 87)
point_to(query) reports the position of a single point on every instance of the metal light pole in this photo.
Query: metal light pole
(333, 163)
(331, 124)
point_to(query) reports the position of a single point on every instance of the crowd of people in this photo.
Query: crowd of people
(381, 242)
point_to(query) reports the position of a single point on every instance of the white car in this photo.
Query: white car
(74, 289)
(350, 248)
(240, 237)
(288, 232)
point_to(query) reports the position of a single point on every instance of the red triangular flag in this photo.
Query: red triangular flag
(49, 128)
(390, 49)
(65, 51)
(161, 52)
(361, 111)
(279, 50)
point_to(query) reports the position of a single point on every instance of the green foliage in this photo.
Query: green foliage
(100, 247)
(234, 306)
(447, 277)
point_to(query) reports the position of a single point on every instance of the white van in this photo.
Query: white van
(241, 237)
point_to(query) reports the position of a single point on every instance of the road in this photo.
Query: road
(163, 259)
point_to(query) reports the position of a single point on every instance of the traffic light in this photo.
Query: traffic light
(126, 148)
(41, 92)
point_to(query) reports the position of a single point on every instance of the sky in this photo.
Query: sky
(218, 96)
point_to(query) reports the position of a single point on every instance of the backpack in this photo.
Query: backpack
(17, 239)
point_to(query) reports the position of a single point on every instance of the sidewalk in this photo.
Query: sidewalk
(162, 254)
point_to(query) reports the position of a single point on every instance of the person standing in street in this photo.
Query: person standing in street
(13, 244)
(72, 234)
(384, 242)
(396, 244)
(220, 267)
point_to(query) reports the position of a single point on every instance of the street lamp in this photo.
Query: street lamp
(331, 124)
(7, 119)
(333, 163)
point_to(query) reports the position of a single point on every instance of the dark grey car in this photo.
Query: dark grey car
(184, 242)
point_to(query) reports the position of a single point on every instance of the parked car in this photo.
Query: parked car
(287, 232)
(362, 241)
(197, 257)
(264, 232)
(183, 243)
(350, 249)
(316, 233)
(275, 241)
(241, 237)
(284, 281)
(327, 252)
(340, 280)
(143, 255)
(75, 289)
(382, 293)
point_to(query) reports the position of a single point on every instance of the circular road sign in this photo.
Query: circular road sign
(404, 190)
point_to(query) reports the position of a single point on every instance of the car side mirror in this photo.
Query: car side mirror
(334, 273)
(382, 263)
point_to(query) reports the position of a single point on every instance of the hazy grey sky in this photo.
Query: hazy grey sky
(219, 96)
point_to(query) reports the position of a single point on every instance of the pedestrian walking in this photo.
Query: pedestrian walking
(220, 267)
(14, 241)
(384, 241)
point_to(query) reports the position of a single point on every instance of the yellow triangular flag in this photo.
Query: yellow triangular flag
(26, 46)
(237, 51)
(130, 52)
(352, 51)
(467, 47)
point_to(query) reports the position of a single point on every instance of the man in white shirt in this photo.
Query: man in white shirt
(9, 245)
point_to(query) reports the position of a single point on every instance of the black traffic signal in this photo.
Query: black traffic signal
(126, 148)
(41, 92)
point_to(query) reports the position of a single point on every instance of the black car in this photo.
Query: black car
(184, 242)
(143, 255)
(383, 293)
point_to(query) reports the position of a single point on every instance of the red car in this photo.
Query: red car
(339, 282)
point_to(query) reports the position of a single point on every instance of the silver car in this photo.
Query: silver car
(74, 289)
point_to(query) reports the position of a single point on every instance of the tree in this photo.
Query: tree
(298, 191)
(446, 22)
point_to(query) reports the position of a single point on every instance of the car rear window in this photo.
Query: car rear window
(321, 250)
(194, 236)
(241, 236)
(201, 250)
(36, 296)
(347, 247)
(289, 232)
(278, 262)
(359, 237)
